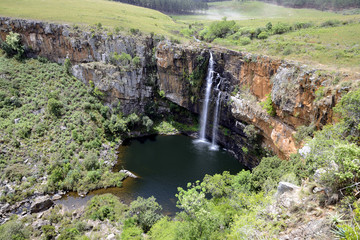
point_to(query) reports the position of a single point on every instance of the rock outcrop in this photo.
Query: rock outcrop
(129, 70)
(105, 59)
(41, 204)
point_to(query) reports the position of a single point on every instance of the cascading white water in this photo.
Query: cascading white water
(205, 110)
(216, 119)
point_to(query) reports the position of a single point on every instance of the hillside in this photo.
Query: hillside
(89, 12)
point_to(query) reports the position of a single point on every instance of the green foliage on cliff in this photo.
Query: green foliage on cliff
(267, 104)
(12, 46)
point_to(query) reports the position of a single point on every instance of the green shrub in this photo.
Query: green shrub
(134, 31)
(91, 162)
(330, 23)
(69, 234)
(145, 211)
(281, 28)
(133, 120)
(147, 122)
(349, 109)
(269, 26)
(67, 66)
(271, 170)
(219, 29)
(136, 61)
(105, 206)
(245, 41)
(13, 230)
(48, 232)
(320, 93)
(251, 132)
(54, 107)
(268, 105)
(303, 132)
(12, 46)
(263, 35)
(132, 233)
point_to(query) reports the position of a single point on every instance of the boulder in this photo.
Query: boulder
(285, 187)
(128, 173)
(41, 204)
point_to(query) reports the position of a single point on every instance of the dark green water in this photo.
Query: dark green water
(164, 163)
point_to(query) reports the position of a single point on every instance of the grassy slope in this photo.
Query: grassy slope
(112, 14)
(336, 47)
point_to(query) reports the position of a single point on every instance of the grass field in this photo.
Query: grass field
(108, 13)
(333, 47)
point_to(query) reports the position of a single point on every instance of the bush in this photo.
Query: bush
(263, 35)
(13, 230)
(349, 109)
(330, 23)
(245, 41)
(133, 120)
(12, 46)
(146, 212)
(136, 61)
(268, 105)
(134, 31)
(147, 122)
(67, 66)
(338, 158)
(251, 132)
(91, 162)
(105, 206)
(271, 170)
(281, 28)
(219, 29)
(303, 132)
(54, 107)
(49, 232)
(269, 26)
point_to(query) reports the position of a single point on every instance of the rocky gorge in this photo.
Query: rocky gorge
(132, 71)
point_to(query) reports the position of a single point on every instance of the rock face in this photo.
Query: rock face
(178, 72)
(95, 56)
(250, 80)
(41, 204)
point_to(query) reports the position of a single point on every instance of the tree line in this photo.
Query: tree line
(318, 4)
(172, 6)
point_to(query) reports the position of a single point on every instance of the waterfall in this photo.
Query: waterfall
(216, 118)
(205, 110)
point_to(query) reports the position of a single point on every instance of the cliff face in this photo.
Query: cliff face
(95, 56)
(179, 72)
(250, 80)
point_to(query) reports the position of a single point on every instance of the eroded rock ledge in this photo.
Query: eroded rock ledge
(178, 72)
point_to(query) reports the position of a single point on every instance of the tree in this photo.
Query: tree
(145, 211)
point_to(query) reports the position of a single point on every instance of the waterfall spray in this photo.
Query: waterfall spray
(216, 118)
